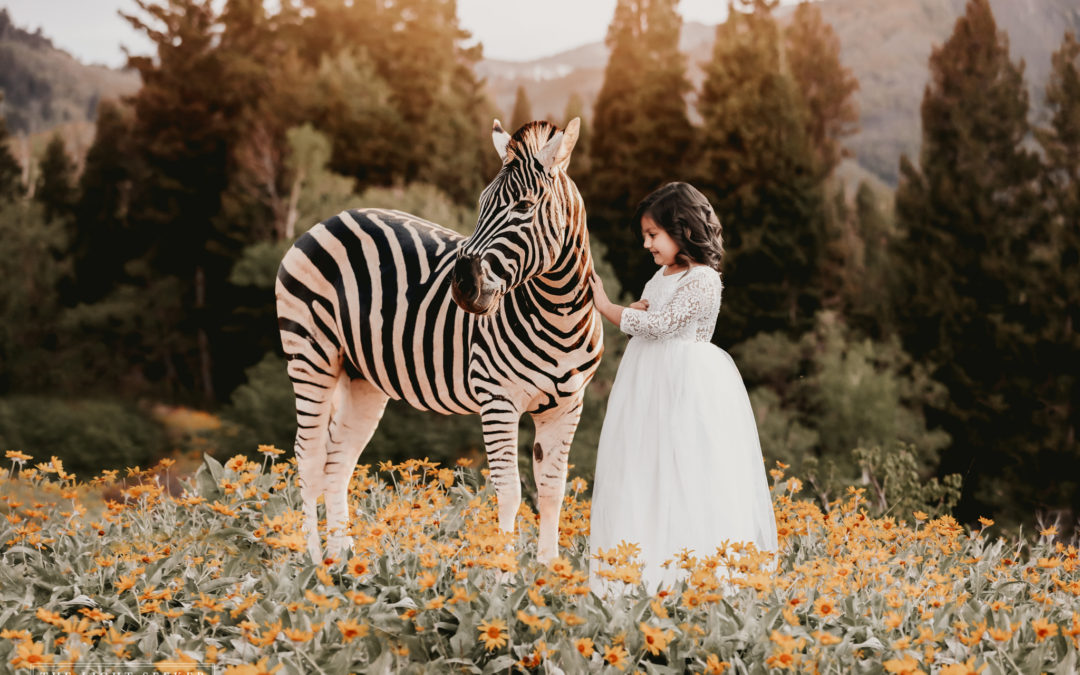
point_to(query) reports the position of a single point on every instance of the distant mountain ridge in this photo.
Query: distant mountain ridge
(45, 87)
(887, 45)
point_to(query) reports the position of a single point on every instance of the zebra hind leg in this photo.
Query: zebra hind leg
(314, 389)
(358, 408)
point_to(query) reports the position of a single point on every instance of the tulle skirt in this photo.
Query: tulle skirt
(679, 465)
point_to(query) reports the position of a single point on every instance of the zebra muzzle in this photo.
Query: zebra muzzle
(468, 288)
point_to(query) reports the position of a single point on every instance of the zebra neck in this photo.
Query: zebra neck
(564, 289)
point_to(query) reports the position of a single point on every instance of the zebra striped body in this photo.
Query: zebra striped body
(403, 332)
(376, 304)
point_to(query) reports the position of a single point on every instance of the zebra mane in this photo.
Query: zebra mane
(530, 139)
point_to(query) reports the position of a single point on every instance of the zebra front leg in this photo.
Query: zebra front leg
(551, 450)
(357, 412)
(500, 422)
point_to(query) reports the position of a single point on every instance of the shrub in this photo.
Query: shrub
(87, 435)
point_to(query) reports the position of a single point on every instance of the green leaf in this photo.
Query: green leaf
(380, 665)
(499, 664)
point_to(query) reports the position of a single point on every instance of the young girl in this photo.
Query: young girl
(679, 465)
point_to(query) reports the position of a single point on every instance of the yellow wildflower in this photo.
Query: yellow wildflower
(359, 597)
(29, 654)
(616, 656)
(258, 668)
(656, 640)
(825, 607)
(533, 622)
(357, 567)
(1044, 629)
(905, 666)
(350, 629)
(584, 646)
(714, 666)
(966, 668)
(493, 634)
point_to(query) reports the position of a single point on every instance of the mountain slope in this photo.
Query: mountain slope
(45, 87)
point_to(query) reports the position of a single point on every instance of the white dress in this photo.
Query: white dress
(679, 465)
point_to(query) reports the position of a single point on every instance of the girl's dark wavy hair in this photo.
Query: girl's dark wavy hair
(688, 218)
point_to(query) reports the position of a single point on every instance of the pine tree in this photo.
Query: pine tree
(826, 85)
(258, 67)
(1061, 146)
(575, 107)
(759, 167)
(10, 171)
(1059, 295)
(433, 75)
(355, 110)
(56, 182)
(185, 126)
(522, 114)
(641, 130)
(966, 215)
(102, 240)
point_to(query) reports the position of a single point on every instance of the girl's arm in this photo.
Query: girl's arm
(692, 300)
(608, 309)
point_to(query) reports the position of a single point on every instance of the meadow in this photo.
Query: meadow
(214, 577)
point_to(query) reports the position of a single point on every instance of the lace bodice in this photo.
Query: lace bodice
(682, 306)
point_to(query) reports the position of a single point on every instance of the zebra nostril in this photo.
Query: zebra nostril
(466, 274)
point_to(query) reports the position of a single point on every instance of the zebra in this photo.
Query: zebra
(375, 304)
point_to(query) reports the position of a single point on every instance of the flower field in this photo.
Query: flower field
(216, 579)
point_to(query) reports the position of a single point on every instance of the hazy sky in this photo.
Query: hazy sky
(509, 29)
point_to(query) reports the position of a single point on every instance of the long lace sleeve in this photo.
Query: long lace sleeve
(691, 300)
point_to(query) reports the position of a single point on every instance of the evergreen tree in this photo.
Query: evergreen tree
(30, 271)
(826, 86)
(413, 109)
(641, 131)
(10, 171)
(257, 67)
(1059, 296)
(102, 241)
(759, 167)
(185, 127)
(441, 100)
(575, 107)
(872, 305)
(522, 114)
(356, 112)
(966, 216)
(1060, 142)
(56, 182)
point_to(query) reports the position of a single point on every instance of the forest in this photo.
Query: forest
(914, 343)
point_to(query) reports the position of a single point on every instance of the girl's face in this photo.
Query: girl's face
(658, 242)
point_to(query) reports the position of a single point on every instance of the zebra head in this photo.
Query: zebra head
(524, 215)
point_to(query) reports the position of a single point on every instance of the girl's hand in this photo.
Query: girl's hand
(604, 305)
(642, 304)
(600, 298)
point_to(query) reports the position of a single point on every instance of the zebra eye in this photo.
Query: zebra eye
(524, 206)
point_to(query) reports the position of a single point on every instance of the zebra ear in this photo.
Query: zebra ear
(556, 154)
(500, 138)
